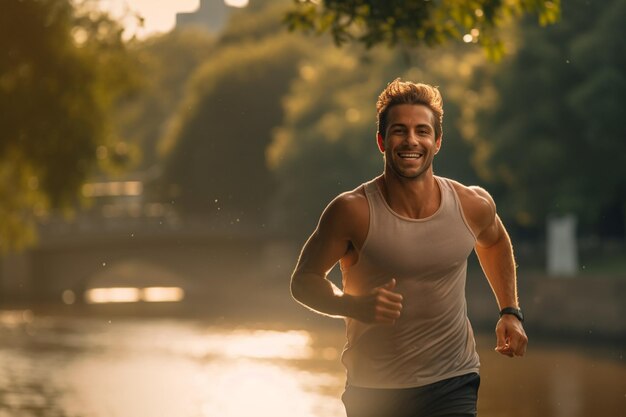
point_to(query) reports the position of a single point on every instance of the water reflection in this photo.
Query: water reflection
(175, 368)
(258, 344)
(252, 388)
(160, 368)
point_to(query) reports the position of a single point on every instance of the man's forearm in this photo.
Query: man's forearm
(319, 294)
(498, 264)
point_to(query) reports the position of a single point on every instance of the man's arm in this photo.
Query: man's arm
(495, 253)
(330, 241)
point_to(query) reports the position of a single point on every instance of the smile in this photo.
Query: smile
(409, 155)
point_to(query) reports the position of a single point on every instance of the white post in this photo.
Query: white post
(562, 250)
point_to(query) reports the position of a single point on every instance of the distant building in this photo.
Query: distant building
(211, 15)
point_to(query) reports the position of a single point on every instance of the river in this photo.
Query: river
(57, 366)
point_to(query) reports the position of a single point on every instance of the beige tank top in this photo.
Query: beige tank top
(433, 339)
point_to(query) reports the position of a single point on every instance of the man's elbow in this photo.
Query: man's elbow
(296, 288)
(303, 285)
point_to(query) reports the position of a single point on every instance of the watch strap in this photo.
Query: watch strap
(514, 312)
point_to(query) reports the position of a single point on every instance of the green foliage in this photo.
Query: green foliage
(168, 61)
(215, 145)
(267, 117)
(326, 144)
(60, 70)
(415, 22)
(555, 140)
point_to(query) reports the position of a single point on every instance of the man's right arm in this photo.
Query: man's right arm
(325, 247)
(330, 241)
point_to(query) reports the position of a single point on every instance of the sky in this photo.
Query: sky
(159, 16)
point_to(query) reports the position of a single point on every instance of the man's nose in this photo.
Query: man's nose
(412, 138)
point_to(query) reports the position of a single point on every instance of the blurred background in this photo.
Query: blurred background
(162, 163)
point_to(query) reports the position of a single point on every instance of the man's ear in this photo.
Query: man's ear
(438, 143)
(381, 142)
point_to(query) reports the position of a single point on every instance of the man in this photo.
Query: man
(402, 241)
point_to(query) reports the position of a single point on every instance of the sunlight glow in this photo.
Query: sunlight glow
(153, 381)
(236, 3)
(162, 294)
(269, 344)
(268, 390)
(239, 344)
(157, 17)
(133, 295)
(112, 295)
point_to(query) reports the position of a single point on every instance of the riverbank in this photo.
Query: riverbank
(586, 308)
(590, 309)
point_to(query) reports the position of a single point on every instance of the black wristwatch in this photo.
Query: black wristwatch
(513, 311)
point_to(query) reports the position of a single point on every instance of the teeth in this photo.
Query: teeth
(410, 155)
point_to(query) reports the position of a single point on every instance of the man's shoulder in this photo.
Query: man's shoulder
(346, 211)
(350, 201)
(477, 203)
(474, 193)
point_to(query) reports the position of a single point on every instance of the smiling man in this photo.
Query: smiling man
(402, 240)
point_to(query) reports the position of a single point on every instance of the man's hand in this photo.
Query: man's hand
(382, 305)
(511, 338)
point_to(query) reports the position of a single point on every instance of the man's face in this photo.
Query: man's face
(410, 144)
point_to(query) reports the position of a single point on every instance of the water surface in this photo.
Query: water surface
(96, 367)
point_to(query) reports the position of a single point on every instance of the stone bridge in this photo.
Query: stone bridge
(210, 263)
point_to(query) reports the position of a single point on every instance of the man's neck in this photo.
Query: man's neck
(415, 198)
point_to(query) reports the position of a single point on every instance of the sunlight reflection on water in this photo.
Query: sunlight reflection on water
(66, 367)
(252, 388)
(242, 343)
(165, 368)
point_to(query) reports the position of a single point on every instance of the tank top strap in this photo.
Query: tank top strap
(376, 208)
(453, 205)
(448, 202)
(371, 189)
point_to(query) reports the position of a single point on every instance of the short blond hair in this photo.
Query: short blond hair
(407, 92)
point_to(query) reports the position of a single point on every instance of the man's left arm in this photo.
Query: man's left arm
(495, 253)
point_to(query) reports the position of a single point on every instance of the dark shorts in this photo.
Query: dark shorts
(454, 397)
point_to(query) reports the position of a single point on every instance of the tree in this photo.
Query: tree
(60, 70)
(554, 141)
(215, 146)
(415, 22)
(169, 59)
